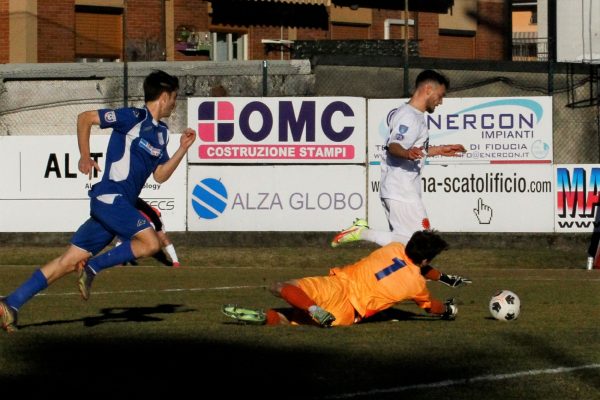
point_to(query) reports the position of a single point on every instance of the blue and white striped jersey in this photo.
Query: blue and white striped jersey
(137, 145)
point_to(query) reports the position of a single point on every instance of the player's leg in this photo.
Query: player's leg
(38, 281)
(404, 219)
(121, 219)
(351, 234)
(304, 311)
(593, 259)
(168, 247)
(302, 297)
(331, 295)
(407, 218)
(395, 234)
(41, 278)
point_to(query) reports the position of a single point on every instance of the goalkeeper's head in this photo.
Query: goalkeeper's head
(425, 245)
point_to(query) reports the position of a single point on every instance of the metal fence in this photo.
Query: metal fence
(40, 102)
(574, 89)
(529, 48)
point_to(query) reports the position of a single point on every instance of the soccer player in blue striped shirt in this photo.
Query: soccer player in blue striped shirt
(137, 148)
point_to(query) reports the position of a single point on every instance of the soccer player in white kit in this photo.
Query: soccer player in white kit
(402, 160)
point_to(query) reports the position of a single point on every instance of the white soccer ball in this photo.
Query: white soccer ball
(505, 305)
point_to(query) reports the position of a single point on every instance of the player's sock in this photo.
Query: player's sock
(115, 256)
(35, 284)
(383, 237)
(162, 257)
(296, 297)
(273, 317)
(170, 249)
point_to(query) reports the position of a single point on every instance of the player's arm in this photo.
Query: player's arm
(396, 150)
(434, 274)
(164, 171)
(447, 309)
(447, 150)
(85, 120)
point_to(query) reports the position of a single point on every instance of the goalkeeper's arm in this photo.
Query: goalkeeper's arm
(434, 274)
(454, 280)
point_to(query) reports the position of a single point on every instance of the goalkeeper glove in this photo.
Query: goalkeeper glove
(454, 280)
(451, 310)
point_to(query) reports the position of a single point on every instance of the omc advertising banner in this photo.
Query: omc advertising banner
(288, 130)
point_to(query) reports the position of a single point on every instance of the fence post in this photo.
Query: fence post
(264, 80)
(551, 44)
(406, 93)
(125, 69)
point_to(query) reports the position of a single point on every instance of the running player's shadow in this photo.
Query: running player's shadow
(120, 314)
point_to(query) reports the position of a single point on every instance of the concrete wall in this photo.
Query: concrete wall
(44, 99)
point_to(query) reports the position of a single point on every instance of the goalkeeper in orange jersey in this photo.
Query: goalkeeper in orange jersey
(389, 275)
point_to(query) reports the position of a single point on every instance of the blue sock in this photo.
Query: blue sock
(115, 256)
(32, 286)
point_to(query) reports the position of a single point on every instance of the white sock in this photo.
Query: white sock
(170, 249)
(382, 237)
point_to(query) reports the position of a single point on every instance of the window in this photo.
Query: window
(98, 33)
(229, 46)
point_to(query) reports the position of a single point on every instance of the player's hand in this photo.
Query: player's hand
(415, 153)
(452, 150)
(451, 309)
(454, 280)
(86, 166)
(187, 138)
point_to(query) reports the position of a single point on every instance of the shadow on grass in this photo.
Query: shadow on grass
(119, 314)
(396, 314)
(242, 362)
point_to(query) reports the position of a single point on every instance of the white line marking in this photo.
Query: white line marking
(155, 290)
(454, 382)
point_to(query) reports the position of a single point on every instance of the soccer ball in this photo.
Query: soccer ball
(505, 305)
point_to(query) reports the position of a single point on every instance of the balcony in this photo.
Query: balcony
(526, 46)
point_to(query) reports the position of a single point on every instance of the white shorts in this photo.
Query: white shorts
(405, 218)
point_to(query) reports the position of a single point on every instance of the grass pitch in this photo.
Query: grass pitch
(153, 331)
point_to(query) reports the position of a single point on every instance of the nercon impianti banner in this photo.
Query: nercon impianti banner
(577, 197)
(479, 198)
(505, 130)
(43, 190)
(275, 197)
(278, 130)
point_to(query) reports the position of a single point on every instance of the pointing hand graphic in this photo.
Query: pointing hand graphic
(483, 212)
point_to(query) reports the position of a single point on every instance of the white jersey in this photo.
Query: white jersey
(400, 178)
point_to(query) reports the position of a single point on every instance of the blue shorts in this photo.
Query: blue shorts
(107, 221)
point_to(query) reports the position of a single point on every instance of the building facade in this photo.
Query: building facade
(47, 31)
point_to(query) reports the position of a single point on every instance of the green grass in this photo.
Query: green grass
(150, 331)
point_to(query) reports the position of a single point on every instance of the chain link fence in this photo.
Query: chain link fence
(574, 89)
(46, 101)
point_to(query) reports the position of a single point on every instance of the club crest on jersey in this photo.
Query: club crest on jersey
(402, 129)
(153, 151)
(110, 116)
